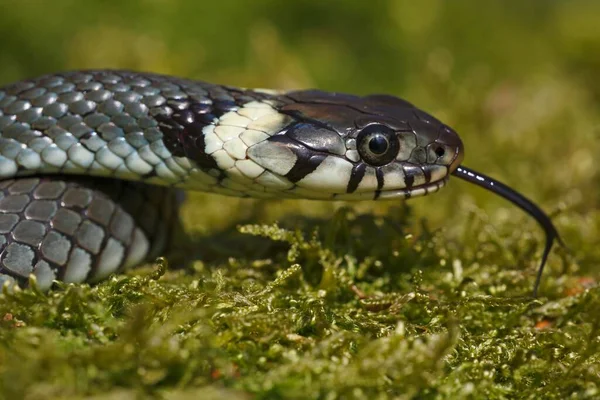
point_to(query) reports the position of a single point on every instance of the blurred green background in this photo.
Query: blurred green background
(518, 80)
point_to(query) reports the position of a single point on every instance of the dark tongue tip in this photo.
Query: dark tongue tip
(520, 201)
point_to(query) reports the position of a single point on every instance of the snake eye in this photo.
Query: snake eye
(377, 144)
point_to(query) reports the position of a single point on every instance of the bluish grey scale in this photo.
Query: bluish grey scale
(128, 97)
(18, 258)
(39, 144)
(77, 198)
(45, 99)
(42, 210)
(167, 88)
(14, 203)
(80, 129)
(43, 123)
(154, 100)
(81, 77)
(66, 221)
(178, 105)
(56, 110)
(93, 142)
(29, 232)
(19, 87)
(162, 110)
(109, 131)
(54, 156)
(44, 274)
(136, 139)
(109, 78)
(82, 107)
(55, 247)
(67, 121)
(24, 186)
(96, 120)
(30, 115)
(158, 147)
(17, 107)
(146, 123)
(138, 81)
(29, 159)
(98, 96)
(15, 129)
(120, 147)
(122, 226)
(136, 110)
(7, 120)
(7, 101)
(112, 253)
(25, 136)
(65, 141)
(79, 266)
(10, 148)
(8, 222)
(64, 88)
(33, 93)
(175, 94)
(100, 210)
(52, 81)
(89, 86)
(152, 134)
(49, 190)
(117, 87)
(147, 90)
(111, 107)
(90, 236)
(125, 122)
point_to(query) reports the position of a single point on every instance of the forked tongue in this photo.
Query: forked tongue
(520, 201)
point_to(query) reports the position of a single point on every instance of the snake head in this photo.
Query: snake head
(355, 148)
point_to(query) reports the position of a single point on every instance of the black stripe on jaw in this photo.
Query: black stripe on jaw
(307, 160)
(356, 176)
(426, 174)
(409, 180)
(380, 182)
(303, 167)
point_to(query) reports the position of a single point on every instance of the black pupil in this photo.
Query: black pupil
(378, 144)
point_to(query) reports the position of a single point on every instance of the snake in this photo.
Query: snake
(93, 162)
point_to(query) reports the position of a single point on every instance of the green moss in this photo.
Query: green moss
(336, 312)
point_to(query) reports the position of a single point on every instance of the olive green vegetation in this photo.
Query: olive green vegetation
(426, 299)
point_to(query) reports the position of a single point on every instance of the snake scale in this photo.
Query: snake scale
(91, 162)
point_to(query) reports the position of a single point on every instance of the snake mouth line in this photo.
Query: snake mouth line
(417, 191)
(392, 194)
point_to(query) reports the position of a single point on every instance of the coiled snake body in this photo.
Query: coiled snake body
(89, 161)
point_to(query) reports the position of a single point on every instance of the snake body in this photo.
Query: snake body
(91, 161)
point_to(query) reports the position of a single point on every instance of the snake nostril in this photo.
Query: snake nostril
(440, 151)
